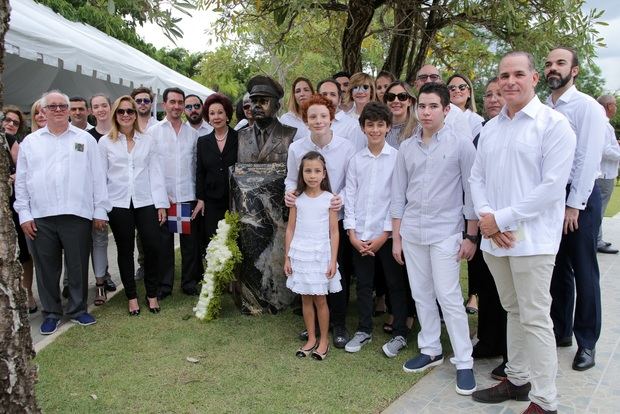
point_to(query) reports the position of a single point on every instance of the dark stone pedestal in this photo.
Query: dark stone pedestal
(258, 195)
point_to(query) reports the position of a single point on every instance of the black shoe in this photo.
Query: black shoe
(152, 310)
(341, 336)
(191, 292)
(65, 292)
(564, 342)
(607, 249)
(163, 295)
(109, 285)
(499, 372)
(503, 391)
(482, 350)
(584, 359)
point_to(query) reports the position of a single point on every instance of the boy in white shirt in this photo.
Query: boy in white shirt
(427, 209)
(368, 223)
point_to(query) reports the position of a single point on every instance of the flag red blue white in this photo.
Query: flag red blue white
(179, 218)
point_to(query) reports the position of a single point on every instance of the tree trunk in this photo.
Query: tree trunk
(401, 37)
(17, 373)
(427, 34)
(358, 20)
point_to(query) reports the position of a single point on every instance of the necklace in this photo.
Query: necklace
(222, 138)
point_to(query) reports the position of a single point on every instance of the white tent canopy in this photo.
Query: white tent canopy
(45, 51)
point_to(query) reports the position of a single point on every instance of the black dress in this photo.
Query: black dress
(212, 178)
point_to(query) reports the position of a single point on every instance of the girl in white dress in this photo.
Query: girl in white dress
(311, 247)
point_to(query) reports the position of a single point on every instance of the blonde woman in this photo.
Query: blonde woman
(361, 91)
(37, 117)
(138, 195)
(462, 95)
(401, 101)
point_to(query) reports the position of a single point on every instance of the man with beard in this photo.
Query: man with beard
(144, 101)
(193, 112)
(268, 140)
(576, 264)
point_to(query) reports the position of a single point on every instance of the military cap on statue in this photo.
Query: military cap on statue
(262, 85)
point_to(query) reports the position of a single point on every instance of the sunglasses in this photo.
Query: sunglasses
(361, 88)
(15, 122)
(128, 111)
(461, 87)
(433, 77)
(194, 106)
(144, 101)
(59, 107)
(402, 96)
(247, 106)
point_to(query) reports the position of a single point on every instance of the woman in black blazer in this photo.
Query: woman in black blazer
(216, 152)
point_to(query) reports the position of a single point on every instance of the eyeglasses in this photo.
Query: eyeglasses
(144, 101)
(402, 96)
(424, 78)
(361, 88)
(461, 87)
(195, 106)
(15, 122)
(128, 111)
(57, 107)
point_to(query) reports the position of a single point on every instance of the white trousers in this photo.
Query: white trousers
(523, 286)
(434, 276)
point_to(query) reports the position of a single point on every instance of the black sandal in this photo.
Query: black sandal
(100, 296)
(152, 310)
(388, 328)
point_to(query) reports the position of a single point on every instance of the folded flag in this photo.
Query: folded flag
(179, 218)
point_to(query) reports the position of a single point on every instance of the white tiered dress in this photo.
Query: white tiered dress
(310, 250)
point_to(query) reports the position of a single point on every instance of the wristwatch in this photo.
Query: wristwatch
(473, 239)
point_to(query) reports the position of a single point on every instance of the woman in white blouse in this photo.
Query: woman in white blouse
(301, 91)
(137, 192)
(462, 95)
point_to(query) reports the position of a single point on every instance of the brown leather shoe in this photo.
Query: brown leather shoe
(534, 408)
(503, 391)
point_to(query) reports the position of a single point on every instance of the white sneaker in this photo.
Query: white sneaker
(393, 346)
(358, 341)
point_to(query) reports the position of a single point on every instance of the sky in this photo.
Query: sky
(196, 40)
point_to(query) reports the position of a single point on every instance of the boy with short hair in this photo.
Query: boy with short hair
(368, 223)
(428, 182)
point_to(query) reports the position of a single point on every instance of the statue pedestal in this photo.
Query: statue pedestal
(258, 196)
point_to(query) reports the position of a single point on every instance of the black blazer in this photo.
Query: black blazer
(212, 167)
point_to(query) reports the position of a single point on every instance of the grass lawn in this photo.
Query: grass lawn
(246, 364)
(613, 207)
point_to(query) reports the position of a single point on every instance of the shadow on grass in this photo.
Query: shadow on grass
(246, 364)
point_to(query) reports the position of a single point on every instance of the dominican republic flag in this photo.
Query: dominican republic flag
(179, 216)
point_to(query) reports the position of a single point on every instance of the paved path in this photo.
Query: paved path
(592, 391)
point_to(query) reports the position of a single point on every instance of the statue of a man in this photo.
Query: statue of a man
(268, 140)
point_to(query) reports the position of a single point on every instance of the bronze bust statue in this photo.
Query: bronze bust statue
(268, 140)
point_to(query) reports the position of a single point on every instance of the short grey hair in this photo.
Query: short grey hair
(43, 100)
(606, 99)
(530, 58)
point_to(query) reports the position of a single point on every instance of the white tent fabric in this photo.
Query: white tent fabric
(46, 51)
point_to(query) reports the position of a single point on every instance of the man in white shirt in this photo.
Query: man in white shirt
(176, 146)
(576, 265)
(193, 113)
(609, 168)
(61, 194)
(517, 186)
(456, 117)
(343, 125)
(144, 101)
(78, 110)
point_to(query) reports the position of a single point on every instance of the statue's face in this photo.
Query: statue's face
(263, 107)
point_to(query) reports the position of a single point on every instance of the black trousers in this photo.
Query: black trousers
(395, 278)
(124, 222)
(339, 301)
(191, 259)
(576, 267)
(214, 212)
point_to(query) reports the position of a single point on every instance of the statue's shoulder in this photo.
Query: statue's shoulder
(245, 134)
(285, 130)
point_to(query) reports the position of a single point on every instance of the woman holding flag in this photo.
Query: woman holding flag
(138, 195)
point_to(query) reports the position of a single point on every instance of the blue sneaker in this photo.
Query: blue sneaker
(49, 326)
(84, 319)
(422, 362)
(465, 381)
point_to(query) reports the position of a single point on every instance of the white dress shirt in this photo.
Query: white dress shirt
(588, 120)
(428, 183)
(152, 121)
(611, 155)
(241, 124)
(520, 174)
(59, 175)
(294, 121)
(337, 155)
(205, 128)
(459, 121)
(177, 158)
(345, 126)
(367, 192)
(134, 176)
(475, 121)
